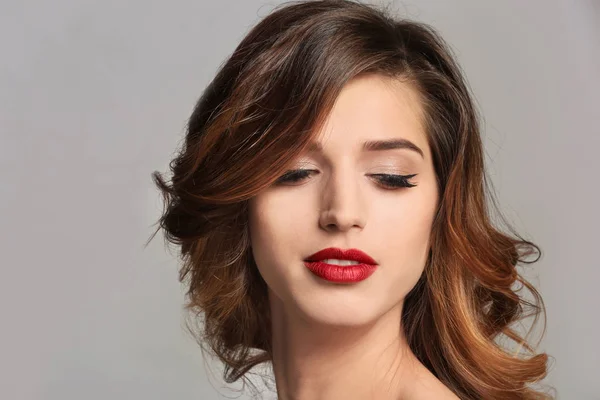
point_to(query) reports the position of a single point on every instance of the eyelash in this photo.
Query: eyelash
(389, 181)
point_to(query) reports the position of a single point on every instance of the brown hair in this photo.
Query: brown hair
(263, 108)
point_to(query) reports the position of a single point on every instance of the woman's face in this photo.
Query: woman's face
(339, 203)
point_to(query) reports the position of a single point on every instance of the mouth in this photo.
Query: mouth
(341, 266)
(340, 257)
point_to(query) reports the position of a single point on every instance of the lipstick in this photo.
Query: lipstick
(356, 272)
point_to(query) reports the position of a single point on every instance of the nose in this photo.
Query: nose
(342, 205)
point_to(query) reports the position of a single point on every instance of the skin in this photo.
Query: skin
(345, 341)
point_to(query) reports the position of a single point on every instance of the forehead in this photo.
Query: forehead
(373, 114)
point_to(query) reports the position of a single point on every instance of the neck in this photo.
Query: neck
(313, 362)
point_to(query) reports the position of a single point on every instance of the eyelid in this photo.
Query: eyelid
(405, 178)
(372, 171)
(304, 164)
(393, 167)
(397, 164)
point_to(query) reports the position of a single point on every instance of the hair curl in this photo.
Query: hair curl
(260, 112)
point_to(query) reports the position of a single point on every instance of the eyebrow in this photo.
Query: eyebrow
(378, 145)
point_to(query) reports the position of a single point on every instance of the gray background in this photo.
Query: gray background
(94, 97)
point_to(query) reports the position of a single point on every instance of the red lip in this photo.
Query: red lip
(339, 254)
(340, 274)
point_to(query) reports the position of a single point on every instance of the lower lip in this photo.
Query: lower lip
(340, 273)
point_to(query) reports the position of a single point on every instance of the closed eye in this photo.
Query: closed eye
(388, 181)
(395, 181)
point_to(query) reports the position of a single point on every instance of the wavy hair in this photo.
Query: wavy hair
(265, 105)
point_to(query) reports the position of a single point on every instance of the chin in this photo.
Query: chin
(339, 305)
(341, 317)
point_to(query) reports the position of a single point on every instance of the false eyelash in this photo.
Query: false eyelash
(387, 180)
(395, 181)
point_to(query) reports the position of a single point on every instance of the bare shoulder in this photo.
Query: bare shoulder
(427, 386)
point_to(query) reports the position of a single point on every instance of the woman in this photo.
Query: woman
(330, 204)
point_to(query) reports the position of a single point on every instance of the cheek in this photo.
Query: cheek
(274, 232)
(404, 228)
(280, 218)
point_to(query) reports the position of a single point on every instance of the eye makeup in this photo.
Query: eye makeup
(388, 181)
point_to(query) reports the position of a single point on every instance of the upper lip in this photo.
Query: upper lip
(340, 254)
